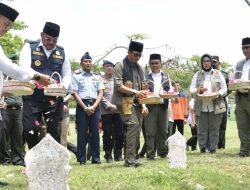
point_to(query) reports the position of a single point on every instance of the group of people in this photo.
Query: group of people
(107, 96)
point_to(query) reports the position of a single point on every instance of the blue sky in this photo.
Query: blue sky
(188, 26)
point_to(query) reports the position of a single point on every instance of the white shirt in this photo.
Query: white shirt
(207, 105)
(190, 108)
(245, 70)
(13, 70)
(25, 61)
(157, 82)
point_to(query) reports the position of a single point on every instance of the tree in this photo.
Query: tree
(12, 43)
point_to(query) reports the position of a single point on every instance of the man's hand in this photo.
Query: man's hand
(43, 79)
(202, 90)
(141, 94)
(144, 111)
(90, 110)
(65, 108)
(113, 108)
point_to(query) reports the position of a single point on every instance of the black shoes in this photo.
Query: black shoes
(82, 163)
(150, 158)
(243, 154)
(203, 150)
(96, 162)
(119, 159)
(19, 164)
(2, 184)
(193, 148)
(164, 155)
(213, 151)
(109, 160)
(6, 163)
(132, 164)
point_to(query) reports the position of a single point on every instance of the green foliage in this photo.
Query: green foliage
(11, 43)
(137, 36)
(74, 65)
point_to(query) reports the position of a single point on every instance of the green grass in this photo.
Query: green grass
(221, 171)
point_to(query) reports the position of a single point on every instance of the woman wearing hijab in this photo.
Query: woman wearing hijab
(208, 112)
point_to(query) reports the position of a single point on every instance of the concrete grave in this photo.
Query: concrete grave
(47, 165)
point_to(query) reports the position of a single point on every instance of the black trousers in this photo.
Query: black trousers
(112, 126)
(180, 126)
(193, 140)
(12, 136)
(222, 131)
(144, 147)
(1, 144)
(33, 111)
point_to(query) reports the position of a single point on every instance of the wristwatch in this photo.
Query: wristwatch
(134, 92)
(37, 77)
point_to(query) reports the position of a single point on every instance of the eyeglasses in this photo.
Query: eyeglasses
(136, 54)
(154, 63)
(245, 47)
(49, 39)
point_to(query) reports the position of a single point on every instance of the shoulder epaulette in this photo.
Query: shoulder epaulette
(33, 41)
(78, 71)
(60, 47)
(96, 73)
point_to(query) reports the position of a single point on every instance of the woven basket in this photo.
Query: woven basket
(150, 100)
(239, 85)
(208, 96)
(18, 88)
(168, 96)
(53, 91)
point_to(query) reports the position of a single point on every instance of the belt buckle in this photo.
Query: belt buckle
(91, 100)
(14, 108)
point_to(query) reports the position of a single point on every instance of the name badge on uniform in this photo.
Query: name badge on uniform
(57, 56)
(38, 53)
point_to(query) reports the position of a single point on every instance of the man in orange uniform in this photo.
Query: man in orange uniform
(179, 108)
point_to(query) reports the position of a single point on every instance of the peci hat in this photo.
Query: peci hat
(8, 12)
(154, 56)
(135, 46)
(215, 58)
(86, 56)
(105, 62)
(245, 42)
(51, 29)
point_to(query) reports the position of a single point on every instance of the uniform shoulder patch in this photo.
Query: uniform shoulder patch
(78, 71)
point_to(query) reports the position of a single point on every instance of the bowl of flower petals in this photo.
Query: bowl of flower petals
(208, 95)
(168, 95)
(55, 89)
(237, 84)
(150, 99)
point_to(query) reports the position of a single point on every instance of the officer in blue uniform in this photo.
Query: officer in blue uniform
(45, 57)
(88, 88)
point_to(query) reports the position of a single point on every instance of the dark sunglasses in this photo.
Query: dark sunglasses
(246, 47)
(137, 54)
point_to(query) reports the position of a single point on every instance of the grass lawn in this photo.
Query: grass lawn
(224, 170)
